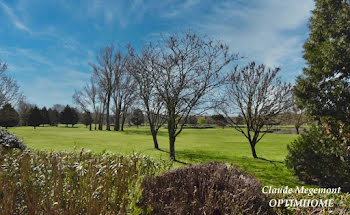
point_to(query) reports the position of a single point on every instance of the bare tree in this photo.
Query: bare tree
(9, 89)
(104, 73)
(101, 98)
(91, 91)
(187, 67)
(82, 99)
(128, 89)
(259, 96)
(23, 109)
(86, 99)
(297, 116)
(58, 107)
(140, 66)
(122, 91)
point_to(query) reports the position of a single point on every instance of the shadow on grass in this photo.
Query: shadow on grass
(269, 172)
(176, 160)
(142, 132)
(62, 127)
(271, 161)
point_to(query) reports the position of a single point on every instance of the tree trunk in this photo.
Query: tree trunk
(117, 119)
(252, 146)
(90, 126)
(297, 129)
(108, 126)
(155, 141)
(171, 131)
(100, 125)
(123, 122)
(172, 147)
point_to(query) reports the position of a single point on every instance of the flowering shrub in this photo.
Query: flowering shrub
(72, 183)
(10, 141)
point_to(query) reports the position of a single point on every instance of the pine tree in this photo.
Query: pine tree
(66, 116)
(75, 117)
(54, 117)
(324, 87)
(35, 118)
(45, 116)
(8, 116)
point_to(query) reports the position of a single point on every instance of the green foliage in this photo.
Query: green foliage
(54, 116)
(72, 183)
(318, 158)
(193, 146)
(202, 120)
(69, 116)
(191, 120)
(8, 116)
(45, 116)
(324, 88)
(35, 117)
(10, 141)
(219, 117)
(137, 117)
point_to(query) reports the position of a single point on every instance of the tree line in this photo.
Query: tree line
(168, 82)
(31, 115)
(179, 76)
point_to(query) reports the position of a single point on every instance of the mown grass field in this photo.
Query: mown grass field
(192, 146)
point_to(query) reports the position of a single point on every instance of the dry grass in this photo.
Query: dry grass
(72, 183)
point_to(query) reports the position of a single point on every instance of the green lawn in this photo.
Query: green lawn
(192, 146)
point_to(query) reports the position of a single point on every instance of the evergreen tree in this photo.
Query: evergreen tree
(137, 117)
(324, 88)
(75, 117)
(8, 116)
(34, 117)
(66, 116)
(54, 117)
(45, 116)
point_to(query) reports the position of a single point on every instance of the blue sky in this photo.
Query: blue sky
(48, 44)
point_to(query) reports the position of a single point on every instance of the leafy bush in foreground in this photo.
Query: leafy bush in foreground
(211, 188)
(10, 141)
(319, 159)
(72, 183)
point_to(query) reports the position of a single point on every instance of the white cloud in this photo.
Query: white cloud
(14, 19)
(267, 31)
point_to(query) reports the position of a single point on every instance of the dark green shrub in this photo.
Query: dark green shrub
(211, 188)
(8, 116)
(318, 158)
(10, 141)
